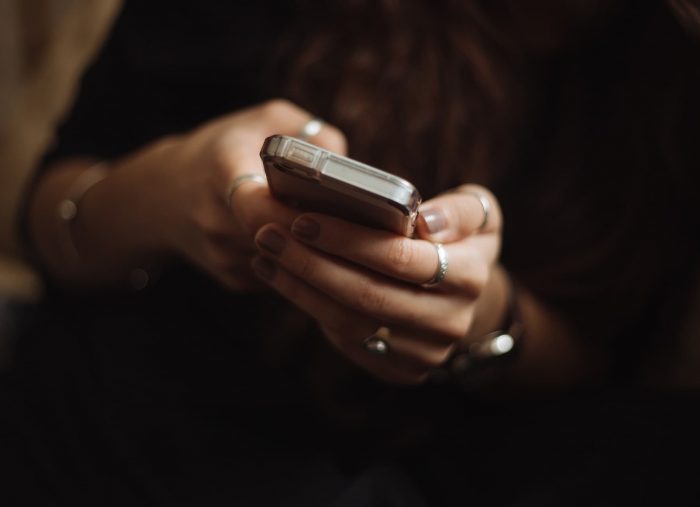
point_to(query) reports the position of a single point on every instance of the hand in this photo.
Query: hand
(353, 279)
(173, 195)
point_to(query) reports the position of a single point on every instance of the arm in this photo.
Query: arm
(169, 198)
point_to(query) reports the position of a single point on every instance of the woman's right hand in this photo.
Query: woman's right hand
(172, 196)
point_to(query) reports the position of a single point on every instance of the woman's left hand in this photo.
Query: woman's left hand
(354, 280)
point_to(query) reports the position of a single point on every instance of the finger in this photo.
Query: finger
(347, 330)
(239, 137)
(410, 260)
(289, 119)
(468, 210)
(414, 261)
(415, 353)
(397, 367)
(237, 153)
(367, 292)
(280, 116)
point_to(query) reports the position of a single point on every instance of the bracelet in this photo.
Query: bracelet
(67, 212)
(68, 208)
(484, 360)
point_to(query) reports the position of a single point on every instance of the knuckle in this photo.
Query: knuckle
(455, 328)
(475, 279)
(273, 108)
(370, 298)
(204, 223)
(480, 278)
(306, 267)
(400, 255)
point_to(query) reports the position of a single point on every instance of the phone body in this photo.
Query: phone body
(311, 178)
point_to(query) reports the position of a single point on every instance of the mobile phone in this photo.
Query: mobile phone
(314, 179)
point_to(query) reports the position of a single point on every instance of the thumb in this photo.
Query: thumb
(467, 210)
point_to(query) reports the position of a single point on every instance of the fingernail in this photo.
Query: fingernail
(271, 241)
(434, 219)
(306, 229)
(264, 268)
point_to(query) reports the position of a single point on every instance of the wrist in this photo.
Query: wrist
(490, 347)
(67, 211)
(80, 227)
(114, 230)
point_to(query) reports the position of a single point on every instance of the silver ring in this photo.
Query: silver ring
(258, 178)
(310, 129)
(442, 265)
(485, 206)
(377, 343)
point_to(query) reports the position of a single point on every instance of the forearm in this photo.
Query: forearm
(105, 241)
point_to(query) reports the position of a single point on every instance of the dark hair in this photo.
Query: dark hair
(438, 91)
(418, 87)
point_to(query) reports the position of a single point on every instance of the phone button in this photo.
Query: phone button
(301, 155)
